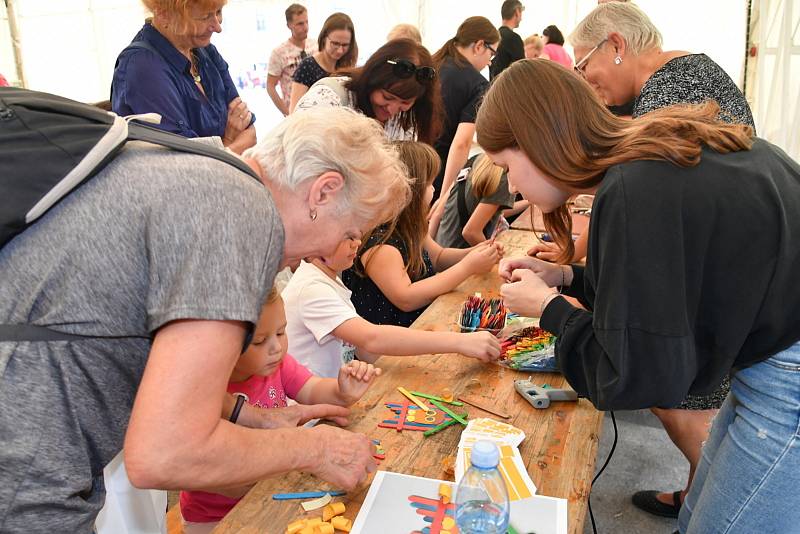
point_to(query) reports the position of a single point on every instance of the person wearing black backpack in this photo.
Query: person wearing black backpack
(124, 308)
(171, 68)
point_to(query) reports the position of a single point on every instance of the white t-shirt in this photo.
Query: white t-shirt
(315, 306)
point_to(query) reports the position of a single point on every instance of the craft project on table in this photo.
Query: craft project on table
(405, 504)
(409, 416)
(529, 349)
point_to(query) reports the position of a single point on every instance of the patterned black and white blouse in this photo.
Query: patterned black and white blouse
(693, 79)
(309, 72)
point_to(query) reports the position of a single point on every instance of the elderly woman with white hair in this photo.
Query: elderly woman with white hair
(618, 51)
(148, 280)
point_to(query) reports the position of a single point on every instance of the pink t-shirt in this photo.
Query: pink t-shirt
(265, 392)
(558, 54)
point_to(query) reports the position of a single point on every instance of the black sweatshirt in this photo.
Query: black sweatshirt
(691, 273)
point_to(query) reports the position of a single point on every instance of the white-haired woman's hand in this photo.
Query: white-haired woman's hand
(346, 457)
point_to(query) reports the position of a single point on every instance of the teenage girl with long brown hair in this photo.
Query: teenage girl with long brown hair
(691, 275)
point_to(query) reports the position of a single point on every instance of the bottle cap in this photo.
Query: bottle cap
(485, 454)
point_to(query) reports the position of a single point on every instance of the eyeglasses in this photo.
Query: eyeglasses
(343, 46)
(580, 66)
(403, 68)
(491, 49)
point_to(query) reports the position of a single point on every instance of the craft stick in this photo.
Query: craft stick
(412, 398)
(436, 429)
(485, 408)
(434, 397)
(449, 412)
(306, 495)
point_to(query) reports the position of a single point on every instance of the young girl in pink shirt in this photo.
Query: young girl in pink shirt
(267, 376)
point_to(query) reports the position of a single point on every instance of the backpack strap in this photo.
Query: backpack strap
(143, 132)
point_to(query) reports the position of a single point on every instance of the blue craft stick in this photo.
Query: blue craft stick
(306, 495)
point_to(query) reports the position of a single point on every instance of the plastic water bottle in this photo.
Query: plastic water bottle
(481, 497)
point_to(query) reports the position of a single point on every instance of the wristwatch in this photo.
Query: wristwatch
(241, 398)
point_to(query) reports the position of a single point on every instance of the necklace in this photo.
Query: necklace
(193, 72)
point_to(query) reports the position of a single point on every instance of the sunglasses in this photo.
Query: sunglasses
(403, 68)
(303, 54)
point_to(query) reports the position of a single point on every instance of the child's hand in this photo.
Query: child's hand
(481, 345)
(355, 378)
(482, 258)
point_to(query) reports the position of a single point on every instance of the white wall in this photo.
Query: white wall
(69, 48)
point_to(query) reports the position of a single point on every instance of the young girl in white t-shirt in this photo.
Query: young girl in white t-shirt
(325, 332)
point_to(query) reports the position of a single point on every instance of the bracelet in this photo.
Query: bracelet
(545, 302)
(563, 278)
(241, 398)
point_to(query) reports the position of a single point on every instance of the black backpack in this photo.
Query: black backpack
(49, 146)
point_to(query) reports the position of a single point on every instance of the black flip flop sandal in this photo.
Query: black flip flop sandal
(647, 501)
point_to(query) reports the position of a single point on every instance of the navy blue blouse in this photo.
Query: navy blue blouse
(152, 76)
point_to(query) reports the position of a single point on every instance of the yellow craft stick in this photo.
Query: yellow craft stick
(413, 399)
(445, 492)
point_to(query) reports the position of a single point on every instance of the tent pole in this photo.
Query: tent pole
(15, 41)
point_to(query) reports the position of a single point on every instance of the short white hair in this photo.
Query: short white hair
(306, 145)
(636, 28)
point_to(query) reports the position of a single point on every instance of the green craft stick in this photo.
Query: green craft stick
(511, 530)
(449, 412)
(432, 397)
(436, 429)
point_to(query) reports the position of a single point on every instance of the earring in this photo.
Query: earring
(617, 60)
(313, 215)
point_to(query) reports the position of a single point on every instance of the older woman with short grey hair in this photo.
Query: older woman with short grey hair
(148, 279)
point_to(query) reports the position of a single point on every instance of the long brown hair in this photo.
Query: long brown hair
(485, 176)
(411, 227)
(426, 113)
(340, 21)
(583, 138)
(472, 30)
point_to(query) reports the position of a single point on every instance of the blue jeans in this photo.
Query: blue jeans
(748, 478)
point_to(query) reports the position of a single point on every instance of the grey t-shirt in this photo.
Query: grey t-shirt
(452, 224)
(156, 236)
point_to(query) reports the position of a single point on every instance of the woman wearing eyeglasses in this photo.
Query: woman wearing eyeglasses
(397, 86)
(460, 62)
(171, 68)
(337, 50)
(619, 53)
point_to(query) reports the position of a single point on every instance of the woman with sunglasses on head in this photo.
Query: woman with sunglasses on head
(678, 292)
(620, 55)
(460, 62)
(337, 50)
(397, 86)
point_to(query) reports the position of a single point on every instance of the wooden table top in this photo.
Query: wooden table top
(559, 449)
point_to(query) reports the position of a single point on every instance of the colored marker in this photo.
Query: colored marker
(306, 495)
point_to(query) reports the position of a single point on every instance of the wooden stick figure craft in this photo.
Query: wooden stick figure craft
(407, 416)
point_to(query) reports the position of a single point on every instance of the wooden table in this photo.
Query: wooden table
(559, 449)
(524, 222)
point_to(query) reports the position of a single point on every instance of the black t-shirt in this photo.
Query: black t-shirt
(463, 88)
(309, 72)
(369, 301)
(510, 49)
(691, 274)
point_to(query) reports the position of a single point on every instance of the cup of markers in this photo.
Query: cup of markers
(478, 314)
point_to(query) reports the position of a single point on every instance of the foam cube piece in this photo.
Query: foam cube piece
(446, 492)
(324, 528)
(308, 530)
(296, 526)
(332, 510)
(342, 523)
